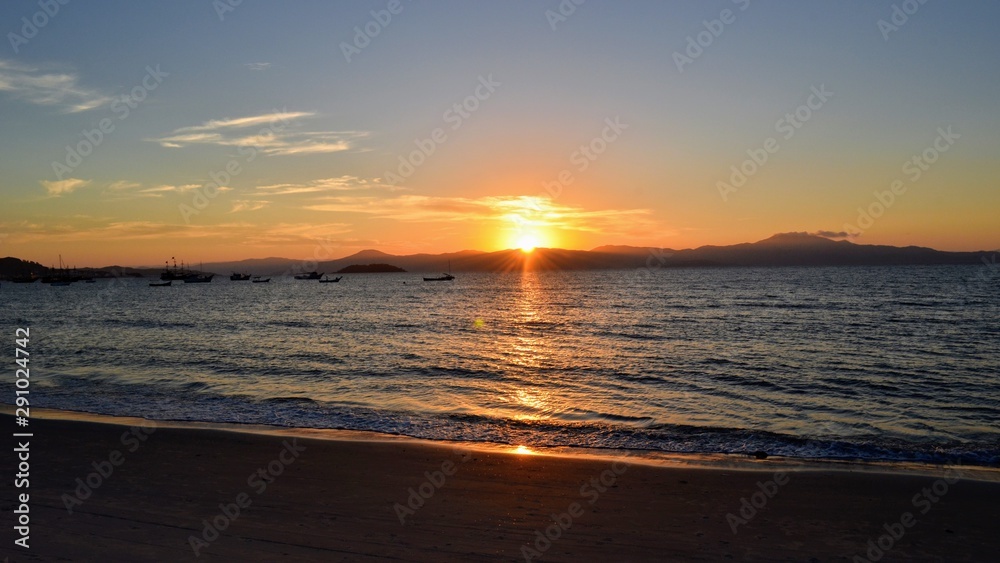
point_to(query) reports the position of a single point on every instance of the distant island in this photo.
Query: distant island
(370, 269)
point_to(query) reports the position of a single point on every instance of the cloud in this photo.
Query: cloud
(833, 234)
(101, 231)
(48, 88)
(516, 212)
(338, 184)
(125, 189)
(258, 66)
(272, 119)
(122, 185)
(248, 205)
(60, 187)
(276, 135)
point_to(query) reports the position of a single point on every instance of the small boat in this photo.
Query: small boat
(62, 277)
(24, 279)
(161, 284)
(239, 277)
(444, 277)
(331, 280)
(309, 276)
(198, 278)
(257, 279)
(88, 281)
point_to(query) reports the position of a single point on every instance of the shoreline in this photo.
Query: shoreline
(150, 491)
(734, 462)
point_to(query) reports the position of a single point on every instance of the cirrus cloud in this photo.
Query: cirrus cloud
(277, 135)
(46, 87)
(59, 187)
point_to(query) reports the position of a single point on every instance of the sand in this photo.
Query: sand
(343, 500)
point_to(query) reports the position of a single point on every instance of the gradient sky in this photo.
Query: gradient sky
(321, 178)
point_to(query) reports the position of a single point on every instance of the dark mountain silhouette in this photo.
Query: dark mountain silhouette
(370, 269)
(786, 249)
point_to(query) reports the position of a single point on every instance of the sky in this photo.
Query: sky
(223, 130)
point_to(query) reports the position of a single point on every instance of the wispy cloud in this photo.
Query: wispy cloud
(248, 205)
(60, 187)
(512, 211)
(104, 230)
(274, 118)
(833, 234)
(124, 189)
(48, 87)
(276, 135)
(258, 66)
(323, 185)
(123, 185)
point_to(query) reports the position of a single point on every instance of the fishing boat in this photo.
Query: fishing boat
(331, 280)
(257, 279)
(239, 277)
(198, 278)
(443, 277)
(309, 276)
(160, 284)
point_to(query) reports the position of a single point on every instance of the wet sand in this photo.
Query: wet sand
(304, 499)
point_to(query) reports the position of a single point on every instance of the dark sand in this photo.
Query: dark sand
(335, 502)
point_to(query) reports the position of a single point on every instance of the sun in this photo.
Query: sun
(527, 243)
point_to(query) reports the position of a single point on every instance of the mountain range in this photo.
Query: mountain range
(786, 249)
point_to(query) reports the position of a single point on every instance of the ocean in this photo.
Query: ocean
(882, 363)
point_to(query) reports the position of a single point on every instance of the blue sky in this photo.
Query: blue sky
(350, 122)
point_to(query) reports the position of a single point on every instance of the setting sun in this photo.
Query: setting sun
(527, 243)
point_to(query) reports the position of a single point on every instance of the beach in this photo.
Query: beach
(151, 492)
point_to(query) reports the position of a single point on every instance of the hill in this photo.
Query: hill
(370, 269)
(786, 249)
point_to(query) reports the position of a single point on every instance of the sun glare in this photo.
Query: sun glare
(527, 243)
